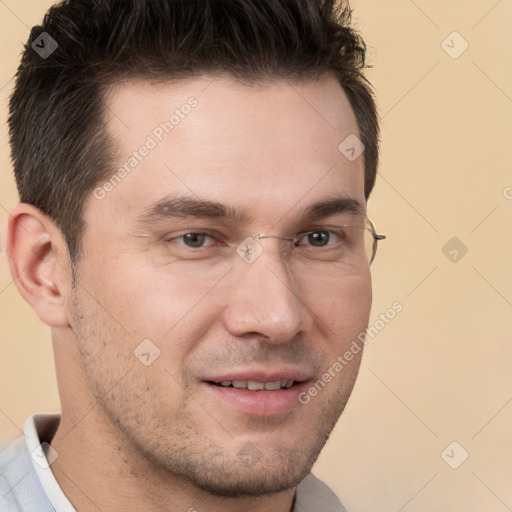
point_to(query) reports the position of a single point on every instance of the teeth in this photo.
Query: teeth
(252, 385)
(255, 386)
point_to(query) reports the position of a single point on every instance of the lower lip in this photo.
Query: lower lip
(259, 403)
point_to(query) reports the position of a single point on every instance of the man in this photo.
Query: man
(193, 179)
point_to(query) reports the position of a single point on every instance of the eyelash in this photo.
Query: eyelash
(303, 234)
(174, 238)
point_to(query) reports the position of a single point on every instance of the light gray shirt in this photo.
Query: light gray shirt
(27, 483)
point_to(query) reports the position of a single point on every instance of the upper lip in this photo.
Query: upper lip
(262, 375)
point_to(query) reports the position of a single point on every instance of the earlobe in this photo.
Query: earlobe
(39, 263)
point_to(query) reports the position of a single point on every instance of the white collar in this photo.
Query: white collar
(39, 431)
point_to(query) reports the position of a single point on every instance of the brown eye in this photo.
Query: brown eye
(317, 238)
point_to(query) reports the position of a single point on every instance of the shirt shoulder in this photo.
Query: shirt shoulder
(20, 488)
(312, 495)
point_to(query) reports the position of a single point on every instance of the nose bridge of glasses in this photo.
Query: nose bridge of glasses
(251, 247)
(286, 242)
(290, 241)
(259, 236)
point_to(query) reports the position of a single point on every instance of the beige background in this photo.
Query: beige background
(440, 371)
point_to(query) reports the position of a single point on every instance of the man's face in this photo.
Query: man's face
(268, 153)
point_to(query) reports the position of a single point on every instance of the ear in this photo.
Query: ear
(39, 263)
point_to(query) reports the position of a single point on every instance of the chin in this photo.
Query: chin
(251, 481)
(251, 471)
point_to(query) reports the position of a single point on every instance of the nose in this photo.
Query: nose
(267, 300)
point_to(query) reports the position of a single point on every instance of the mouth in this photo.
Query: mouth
(253, 385)
(258, 394)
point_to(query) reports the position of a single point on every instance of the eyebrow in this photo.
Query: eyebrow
(186, 206)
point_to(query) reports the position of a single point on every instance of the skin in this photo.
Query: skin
(152, 437)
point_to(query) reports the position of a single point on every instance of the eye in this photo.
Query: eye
(194, 240)
(317, 238)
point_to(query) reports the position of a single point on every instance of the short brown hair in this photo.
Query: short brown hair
(58, 136)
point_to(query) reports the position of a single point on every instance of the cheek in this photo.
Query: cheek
(148, 299)
(119, 326)
(160, 305)
(341, 305)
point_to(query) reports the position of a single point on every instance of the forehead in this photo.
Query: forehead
(267, 147)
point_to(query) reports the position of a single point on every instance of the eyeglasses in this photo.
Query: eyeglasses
(371, 229)
(352, 246)
(349, 248)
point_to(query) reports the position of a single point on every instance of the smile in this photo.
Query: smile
(252, 385)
